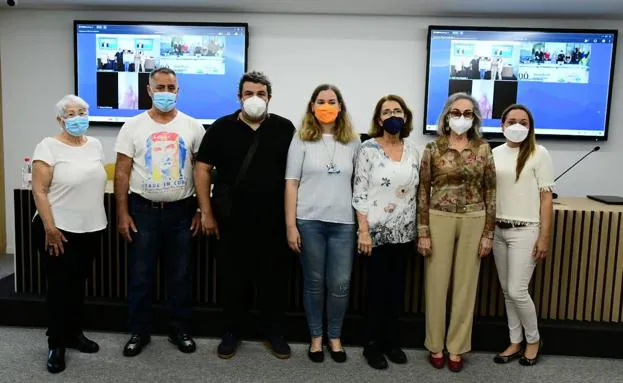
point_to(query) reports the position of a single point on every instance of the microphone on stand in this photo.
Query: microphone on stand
(595, 149)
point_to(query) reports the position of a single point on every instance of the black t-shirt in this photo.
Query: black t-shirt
(225, 146)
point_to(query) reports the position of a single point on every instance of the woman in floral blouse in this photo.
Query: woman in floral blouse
(455, 224)
(385, 187)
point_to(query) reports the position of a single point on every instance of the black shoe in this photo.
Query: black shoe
(228, 346)
(531, 362)
(135, 344)
(395, 355)
(315, 356)
(337, 356)
(83, 344)
(56, 360)
(503, 359)
(184, 342)
(278, 346)
(374, 356)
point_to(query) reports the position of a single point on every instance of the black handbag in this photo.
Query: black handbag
(223, 193)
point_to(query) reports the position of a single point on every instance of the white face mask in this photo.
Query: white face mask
(460, 125)
(254, 107)
(516, 133)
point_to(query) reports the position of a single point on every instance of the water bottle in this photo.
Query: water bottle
(27, 174)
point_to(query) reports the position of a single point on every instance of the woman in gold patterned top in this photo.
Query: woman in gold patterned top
(455, 224)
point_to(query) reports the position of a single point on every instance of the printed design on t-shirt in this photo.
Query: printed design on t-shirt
(165, 160)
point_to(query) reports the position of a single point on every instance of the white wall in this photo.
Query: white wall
(367, 57)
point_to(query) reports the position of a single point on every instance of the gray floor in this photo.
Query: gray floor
(23, 352)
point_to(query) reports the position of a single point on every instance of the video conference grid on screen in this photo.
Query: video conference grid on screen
(563, 77)
(114, 61)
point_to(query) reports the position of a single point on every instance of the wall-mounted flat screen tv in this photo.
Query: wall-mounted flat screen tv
(563, 76)
(113, 61)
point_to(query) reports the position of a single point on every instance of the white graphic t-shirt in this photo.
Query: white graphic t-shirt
(162, 153)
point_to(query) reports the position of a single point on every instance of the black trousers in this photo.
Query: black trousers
(66, 275)
(253, 258)
(385, 291)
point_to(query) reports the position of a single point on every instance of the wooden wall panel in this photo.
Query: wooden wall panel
(581, 278)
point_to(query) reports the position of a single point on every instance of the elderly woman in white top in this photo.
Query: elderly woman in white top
(385, 187)
(524, 210)
(68, 187)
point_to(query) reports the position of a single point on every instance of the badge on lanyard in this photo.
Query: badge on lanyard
(332, 169)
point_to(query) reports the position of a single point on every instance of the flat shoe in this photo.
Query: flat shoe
(315, 356)
(503, 359)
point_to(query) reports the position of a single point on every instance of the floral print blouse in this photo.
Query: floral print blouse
(456, 182)
(386, 192)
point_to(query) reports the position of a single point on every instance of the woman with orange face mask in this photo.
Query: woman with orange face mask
(319, 216)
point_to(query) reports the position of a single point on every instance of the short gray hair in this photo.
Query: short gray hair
(256, 78)
(69, 100)
(443, 129)
(163, 70)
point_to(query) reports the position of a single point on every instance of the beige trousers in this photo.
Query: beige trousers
(455, 241)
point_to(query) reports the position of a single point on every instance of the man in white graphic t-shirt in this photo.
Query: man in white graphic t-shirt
(155, 152)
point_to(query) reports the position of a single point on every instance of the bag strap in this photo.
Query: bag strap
(247, 159)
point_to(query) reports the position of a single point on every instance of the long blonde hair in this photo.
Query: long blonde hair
(310, 127)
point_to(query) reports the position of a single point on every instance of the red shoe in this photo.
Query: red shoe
(438, 363)
(455, 366)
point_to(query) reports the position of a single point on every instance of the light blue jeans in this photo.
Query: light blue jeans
(327, 259)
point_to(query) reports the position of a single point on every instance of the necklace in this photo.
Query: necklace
(331, 168)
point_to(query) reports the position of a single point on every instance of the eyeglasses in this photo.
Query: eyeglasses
(455, 113)
(395, 113)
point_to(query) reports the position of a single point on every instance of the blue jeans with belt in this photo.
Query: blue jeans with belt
(162, 229)
(327, 260)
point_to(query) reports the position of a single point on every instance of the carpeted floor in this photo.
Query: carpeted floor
(23, 353)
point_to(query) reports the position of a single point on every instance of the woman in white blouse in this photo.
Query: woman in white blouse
(384, 197)
(68, 187)
(524, 209)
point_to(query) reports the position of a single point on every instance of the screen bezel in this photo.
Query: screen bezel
(614, 32)
(163, 23)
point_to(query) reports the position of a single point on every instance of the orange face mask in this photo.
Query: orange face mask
(326, 113)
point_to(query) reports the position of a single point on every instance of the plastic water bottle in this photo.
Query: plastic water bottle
(27, 174)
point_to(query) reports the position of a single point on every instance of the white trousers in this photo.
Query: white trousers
(512, 250)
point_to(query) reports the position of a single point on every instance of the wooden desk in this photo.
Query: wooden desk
(582, 276)
(585, 204)
(581, 279)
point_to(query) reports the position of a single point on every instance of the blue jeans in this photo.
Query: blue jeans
(327, 258)
(165, 231)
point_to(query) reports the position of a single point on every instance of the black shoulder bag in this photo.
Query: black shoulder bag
(223, 193)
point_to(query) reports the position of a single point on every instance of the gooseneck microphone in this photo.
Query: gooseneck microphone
(595, 149)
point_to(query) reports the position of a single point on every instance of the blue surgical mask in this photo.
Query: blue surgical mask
(393, 125)
(164, 101)
(77, 126)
